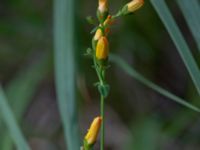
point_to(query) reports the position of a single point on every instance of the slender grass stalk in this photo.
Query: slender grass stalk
(11, 123)
(178, 39)
(191, 12)
(133, 73)
(65, 69)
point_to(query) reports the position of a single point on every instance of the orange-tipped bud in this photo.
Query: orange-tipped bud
(103, 6)
(98, 34)
(108, 21)
(134, 5)
(102, 48)
(92, 134)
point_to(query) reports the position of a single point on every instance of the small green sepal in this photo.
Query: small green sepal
(104, 89)
(87, 146)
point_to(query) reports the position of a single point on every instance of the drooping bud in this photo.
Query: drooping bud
(132, 6)
(102, 48)
(93, 131)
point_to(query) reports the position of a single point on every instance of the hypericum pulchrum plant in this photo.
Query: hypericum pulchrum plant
(99, 52)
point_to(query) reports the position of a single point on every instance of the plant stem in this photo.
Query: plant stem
(100, 71)
(103, 124)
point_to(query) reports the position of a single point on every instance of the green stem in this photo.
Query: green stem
(101, 76)
(98, 71)
(102, 124)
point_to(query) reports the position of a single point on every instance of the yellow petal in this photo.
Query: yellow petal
(102, 48)
(93, 131)
(98, 34)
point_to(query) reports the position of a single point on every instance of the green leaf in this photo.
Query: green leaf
(133, 73)
(191, 12)
(65, 69)
(11, 123)
(179, 41)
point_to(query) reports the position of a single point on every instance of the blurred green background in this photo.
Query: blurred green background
(137, 118)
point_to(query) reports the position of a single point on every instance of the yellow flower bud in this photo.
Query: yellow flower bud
(98, 34)
(92, 134)
(134, 5)
(102, 48)
(103, 6)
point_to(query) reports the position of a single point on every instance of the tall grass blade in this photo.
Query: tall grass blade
(11, 123)
(65, 69)
(191, 12)
(20, 91)
(133, 73)
(183, 49)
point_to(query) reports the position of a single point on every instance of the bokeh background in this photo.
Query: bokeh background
(137, 118)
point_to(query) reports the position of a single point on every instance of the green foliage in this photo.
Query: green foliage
(190, 10)
(178, 39)
(10, 121)
(132, 72)
(65, 69)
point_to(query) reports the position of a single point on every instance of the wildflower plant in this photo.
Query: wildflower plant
(99, 52)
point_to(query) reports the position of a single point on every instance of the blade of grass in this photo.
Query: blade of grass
(133, 73)
(65, 69)
(180, 43)
(191, 12)
(20, 91)
(11, 123)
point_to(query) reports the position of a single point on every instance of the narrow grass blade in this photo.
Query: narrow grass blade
(183, 49)
(65, 69)
(11, 123)
(191, 12)
(133, 73)
(19, 92)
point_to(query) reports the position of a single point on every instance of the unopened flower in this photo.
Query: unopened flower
(132, 6)
(98, 34)
(103, 6)
(102, 48)
(92, 134)
(102, 11)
